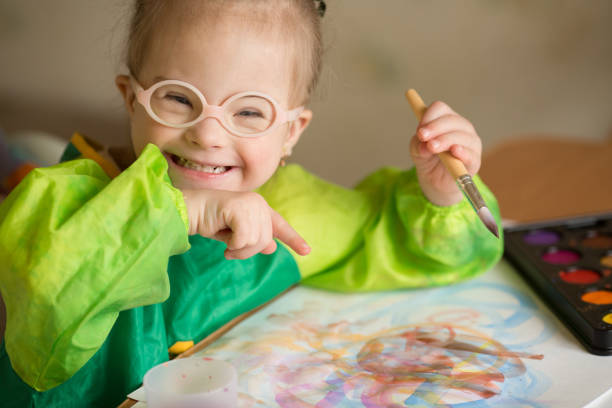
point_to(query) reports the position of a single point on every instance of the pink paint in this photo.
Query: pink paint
(560, 256)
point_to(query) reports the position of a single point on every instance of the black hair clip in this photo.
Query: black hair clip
(320, 6)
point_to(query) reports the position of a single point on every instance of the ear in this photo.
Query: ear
(296, 128)
(123, 83)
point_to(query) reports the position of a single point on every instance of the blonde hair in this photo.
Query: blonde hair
(298, 20)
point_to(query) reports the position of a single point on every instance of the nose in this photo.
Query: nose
(209, 133)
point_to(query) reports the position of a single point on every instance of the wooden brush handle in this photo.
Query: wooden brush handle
(452, 164)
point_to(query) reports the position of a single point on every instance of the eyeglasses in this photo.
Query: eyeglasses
(179, 105)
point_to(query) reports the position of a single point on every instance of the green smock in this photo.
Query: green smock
(99, 276)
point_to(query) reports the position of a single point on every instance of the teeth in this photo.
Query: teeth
(195, 166)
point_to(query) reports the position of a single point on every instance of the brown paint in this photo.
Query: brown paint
(598, 241)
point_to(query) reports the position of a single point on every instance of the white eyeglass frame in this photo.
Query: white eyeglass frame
(143, 96)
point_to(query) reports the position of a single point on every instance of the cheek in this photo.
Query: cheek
(145, 131)
(264, 155)
(262, 159)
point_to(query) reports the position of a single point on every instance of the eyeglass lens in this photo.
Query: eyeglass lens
(177, 105)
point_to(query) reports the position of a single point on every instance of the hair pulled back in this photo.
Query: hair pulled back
(298, 20)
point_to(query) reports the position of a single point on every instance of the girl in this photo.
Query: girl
(102, 270)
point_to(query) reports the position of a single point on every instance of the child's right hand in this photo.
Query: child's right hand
(244, 221)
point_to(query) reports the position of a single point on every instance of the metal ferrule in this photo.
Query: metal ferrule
(467, 186)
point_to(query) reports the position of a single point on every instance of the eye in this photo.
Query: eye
(249, 114)
(180, 99)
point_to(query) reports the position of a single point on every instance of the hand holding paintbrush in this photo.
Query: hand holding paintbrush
(445, 143)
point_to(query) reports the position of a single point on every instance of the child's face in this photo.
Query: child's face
(220, 60)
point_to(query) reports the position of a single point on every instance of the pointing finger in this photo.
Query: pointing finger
(285, 232)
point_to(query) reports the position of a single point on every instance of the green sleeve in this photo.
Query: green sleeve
(384, 234)
(76, 248)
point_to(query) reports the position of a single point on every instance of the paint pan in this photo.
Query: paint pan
(569, 264)
(191, 382)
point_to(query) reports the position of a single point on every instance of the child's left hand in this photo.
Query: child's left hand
(442, 129)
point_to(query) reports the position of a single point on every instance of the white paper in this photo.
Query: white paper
(487, 342)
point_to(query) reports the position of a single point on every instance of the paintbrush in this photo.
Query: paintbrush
(456, 168)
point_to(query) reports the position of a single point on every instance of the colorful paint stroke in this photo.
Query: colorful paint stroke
(467, 345)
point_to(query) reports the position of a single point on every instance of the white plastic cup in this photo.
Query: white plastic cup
(191, 382)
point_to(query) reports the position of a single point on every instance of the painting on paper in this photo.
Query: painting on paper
(481, 343)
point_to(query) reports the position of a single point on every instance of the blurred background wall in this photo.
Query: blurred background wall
(513, 67)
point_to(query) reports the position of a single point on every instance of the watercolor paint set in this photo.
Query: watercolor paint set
(569, 264)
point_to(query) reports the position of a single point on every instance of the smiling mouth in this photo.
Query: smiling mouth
(188, 164)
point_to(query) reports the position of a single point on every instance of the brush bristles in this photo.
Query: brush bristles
(489, 221)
